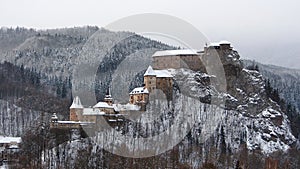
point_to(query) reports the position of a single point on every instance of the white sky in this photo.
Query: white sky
(264, 30)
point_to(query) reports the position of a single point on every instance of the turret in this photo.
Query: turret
(150, 79)
(76, 109)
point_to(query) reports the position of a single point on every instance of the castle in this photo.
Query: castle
(156, 79)
(138, 99)
(153, 80)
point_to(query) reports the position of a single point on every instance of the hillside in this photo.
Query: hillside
(25, 95)
(248, 128)
(245, 126)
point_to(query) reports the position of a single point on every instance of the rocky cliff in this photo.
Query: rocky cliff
(235, 127)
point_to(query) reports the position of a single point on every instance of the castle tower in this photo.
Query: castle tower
(76, 110)
(225, 45)
(139, 96)
(108, 99)
(225, 48)
(150, 79)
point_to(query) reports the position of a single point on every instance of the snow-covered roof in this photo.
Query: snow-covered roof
(7, 140)
(115, 115)
(75, 122)
(139, 90)
(223, 42)
(54, 116)
(115, 120)
(103, 105)
(13, 146)
(108, 97)
(214, 44)
(76, 103)
(175, 52)
(124, 107)
(149, 72)
(162, 73)
(69, 122)
(157, 73)
(91, 112)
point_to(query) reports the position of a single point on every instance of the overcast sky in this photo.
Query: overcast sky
(265, 30)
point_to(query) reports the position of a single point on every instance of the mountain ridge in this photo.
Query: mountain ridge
(251, 119)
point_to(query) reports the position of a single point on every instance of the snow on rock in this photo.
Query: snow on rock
(270, 113)
(257, 121)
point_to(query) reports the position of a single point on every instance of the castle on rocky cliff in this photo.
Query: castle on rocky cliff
(156, 78)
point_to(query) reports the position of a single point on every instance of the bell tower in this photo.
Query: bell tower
(108, 99)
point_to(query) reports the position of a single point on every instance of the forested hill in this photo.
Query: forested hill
(36, 75)
(30, 89)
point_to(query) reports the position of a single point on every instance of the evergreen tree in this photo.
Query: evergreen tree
(63, 91)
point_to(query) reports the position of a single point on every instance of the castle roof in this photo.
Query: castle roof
(162, 73)
(175, 52)
(223, 42)
(139, 90)
(92, 112)
(103, 105)
(157, 73)
(150, 72)
(74, 122)
(76, 103)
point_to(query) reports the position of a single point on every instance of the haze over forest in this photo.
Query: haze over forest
(265, 31)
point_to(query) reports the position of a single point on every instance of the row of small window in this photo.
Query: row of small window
(142, 91)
